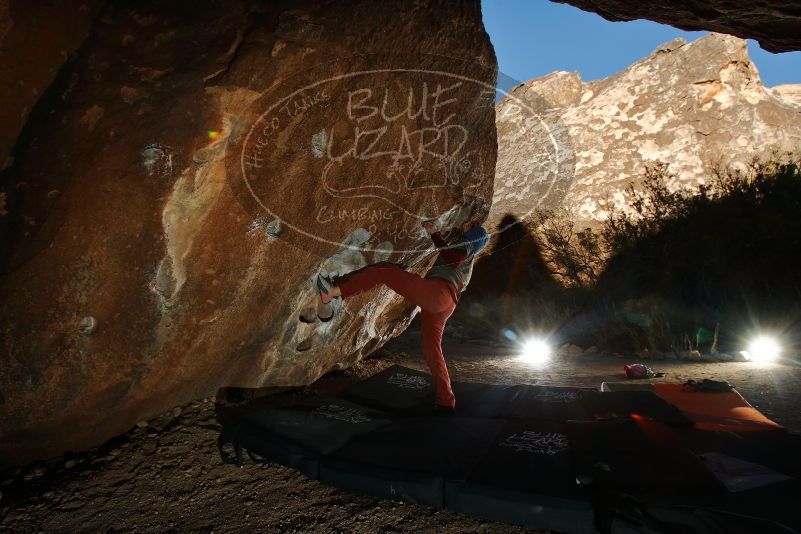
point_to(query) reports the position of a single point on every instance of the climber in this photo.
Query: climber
(436, 294)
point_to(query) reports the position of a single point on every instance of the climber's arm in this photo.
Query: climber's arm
(453, 256)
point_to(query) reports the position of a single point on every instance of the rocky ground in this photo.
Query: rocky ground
(165, 475)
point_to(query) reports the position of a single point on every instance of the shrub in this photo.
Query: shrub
(574, 257)
(673, 266)
(728, 253)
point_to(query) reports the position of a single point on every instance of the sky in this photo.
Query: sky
(535, 37)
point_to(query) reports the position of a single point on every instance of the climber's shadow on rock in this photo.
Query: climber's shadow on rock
(513, 266)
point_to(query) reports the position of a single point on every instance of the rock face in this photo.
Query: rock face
(776, 24)
(788, 92)
(688, 105)
(192, 168)
(31, 54)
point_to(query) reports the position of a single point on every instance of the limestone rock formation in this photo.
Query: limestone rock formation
(791, 92)
(776, 24)
(193, 167)
(564, 142)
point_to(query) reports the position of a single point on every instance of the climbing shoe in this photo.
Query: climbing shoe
(325, 286)
(325, 310)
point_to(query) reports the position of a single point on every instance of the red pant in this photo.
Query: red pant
(437, 300)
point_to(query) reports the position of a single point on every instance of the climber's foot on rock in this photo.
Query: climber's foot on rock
(325, 311)
(325, 286)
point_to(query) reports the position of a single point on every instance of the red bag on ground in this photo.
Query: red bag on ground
(637, 370)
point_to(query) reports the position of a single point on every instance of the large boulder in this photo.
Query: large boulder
(190, 171)
(776, 24)
(690, 105)
(34, 45)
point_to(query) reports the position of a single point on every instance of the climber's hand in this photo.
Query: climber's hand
(431, 227)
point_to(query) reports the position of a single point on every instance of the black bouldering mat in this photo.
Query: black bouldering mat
(527, 477)
(323, 426)
(537, 456)
(551, 403)
(408, 391)
(449, 446)
(397, 389)
(529, 456)
(486, 400)
(761, 472)
(623, 404)
(638, 455)
(779, 451)
(270, 446)
(771, 508)
(636, 517)
(411, 458)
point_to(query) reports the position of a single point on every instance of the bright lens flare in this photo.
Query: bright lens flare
(535, 351)
(764, 349)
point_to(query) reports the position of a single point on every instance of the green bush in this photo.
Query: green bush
(672, 268)
(575, 257)
(728, 253)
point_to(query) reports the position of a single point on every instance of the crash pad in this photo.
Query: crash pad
(321, 426)
(707, 410)
(396, 389)
(411, 458)
(623, 404)
(266, 444)
(551, 403)
(487, 400)
(716, 410)
(759, 472)
(546, 457)
(526, 477)
(636, 455)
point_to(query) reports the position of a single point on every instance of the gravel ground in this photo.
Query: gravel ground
(166, 476)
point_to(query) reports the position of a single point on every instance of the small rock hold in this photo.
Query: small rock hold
(141, 424)
(304, 345)
(273, 229)
(69, 464)
(87, 326)
(307, 316)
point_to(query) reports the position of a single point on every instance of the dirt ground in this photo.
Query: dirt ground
(166, 475)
